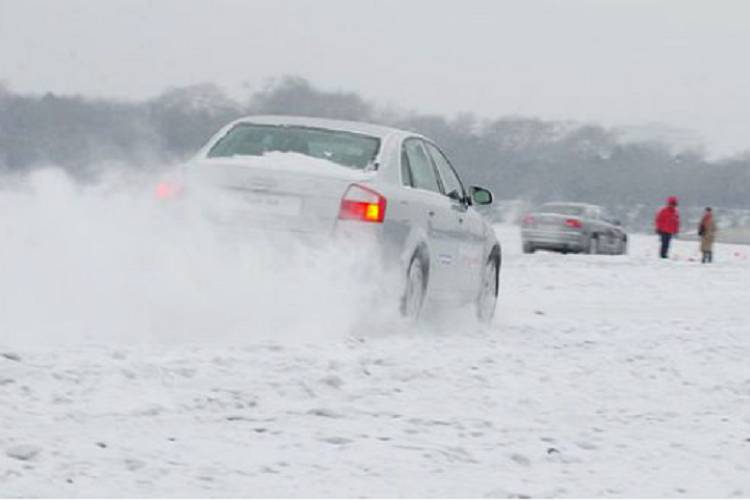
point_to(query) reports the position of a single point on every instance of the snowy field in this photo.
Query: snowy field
(601, 376)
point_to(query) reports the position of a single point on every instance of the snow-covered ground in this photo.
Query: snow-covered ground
(601, 376)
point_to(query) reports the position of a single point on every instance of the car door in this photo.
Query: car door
(597, 229)
(609, 239)
(469, 229)
(618, 234)
(431, 210)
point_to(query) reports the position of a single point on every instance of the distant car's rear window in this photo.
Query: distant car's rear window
(345, 148)
(563, 209)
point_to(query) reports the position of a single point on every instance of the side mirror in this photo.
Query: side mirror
(617, 222)
(481, 196)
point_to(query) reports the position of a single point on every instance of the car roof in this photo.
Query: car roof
(380, 131)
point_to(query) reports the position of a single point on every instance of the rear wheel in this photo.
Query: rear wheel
(487, 300)
(416, 285)
(528, 247)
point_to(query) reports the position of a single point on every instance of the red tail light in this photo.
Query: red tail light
(363, 204)
(528, 219)
(574, 223)
(166, 190)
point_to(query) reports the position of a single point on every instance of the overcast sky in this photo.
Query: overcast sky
(679, 63)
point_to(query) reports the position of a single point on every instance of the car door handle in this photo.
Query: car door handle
(431, 213)
(460, 220)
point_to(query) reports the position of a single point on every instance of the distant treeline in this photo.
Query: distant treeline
(517, 157)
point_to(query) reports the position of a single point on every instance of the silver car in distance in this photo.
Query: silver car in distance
(573, 227)
(319, 177)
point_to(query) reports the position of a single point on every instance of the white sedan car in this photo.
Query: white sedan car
(324, 177)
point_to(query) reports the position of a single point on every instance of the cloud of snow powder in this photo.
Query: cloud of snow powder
(108, 262)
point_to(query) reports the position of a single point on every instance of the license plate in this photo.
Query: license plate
(274, 203)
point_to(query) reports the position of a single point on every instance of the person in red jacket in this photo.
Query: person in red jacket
(667, 224)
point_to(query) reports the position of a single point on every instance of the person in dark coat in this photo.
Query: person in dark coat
(667, 224)
(707, 232)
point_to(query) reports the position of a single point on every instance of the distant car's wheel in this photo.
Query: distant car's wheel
(624, 246)
(528, 247)
(487, 300)
(416, 286)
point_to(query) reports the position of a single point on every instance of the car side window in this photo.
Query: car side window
(451, 183)
(422, 172)
(406, 178)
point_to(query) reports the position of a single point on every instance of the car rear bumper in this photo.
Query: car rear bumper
(554, 240)
(271, 236)
(355, 240)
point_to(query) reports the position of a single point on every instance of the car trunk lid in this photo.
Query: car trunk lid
(554, 222)
(286, 191)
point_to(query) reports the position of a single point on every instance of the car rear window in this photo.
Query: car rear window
(345, 148)
(563, 209)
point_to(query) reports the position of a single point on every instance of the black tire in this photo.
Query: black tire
(528, 247)
(489, 288)
(415, 289)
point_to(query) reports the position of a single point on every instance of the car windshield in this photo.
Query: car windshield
(558, 208)
(344, 148)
